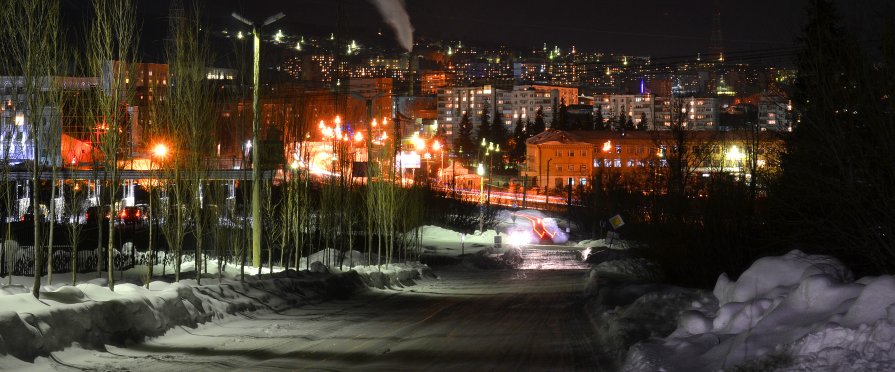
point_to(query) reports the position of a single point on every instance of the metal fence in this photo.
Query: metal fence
(19, 260)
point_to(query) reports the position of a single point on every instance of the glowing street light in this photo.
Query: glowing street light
(734, 154)
(161, 150)
(480, 170)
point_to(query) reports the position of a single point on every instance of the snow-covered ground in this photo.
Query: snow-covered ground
(795, 312)
(91, 315)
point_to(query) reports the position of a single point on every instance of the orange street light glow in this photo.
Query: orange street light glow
(160, 150)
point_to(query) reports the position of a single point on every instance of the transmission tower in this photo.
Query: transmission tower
(717, 40)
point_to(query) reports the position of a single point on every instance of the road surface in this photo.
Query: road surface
(467, 320)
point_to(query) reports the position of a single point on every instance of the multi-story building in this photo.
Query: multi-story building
(699, 113)
(523, 102)
(557, 158)
(454, 102)
(567, 95)
(432, 81)
(17, 123)
(774, 113)
(635, 107)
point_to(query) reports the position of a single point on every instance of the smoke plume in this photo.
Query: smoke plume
(395, 15)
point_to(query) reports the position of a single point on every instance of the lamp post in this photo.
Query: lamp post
(159, 151)
(492, 149)
(256, 133)
(480, 170)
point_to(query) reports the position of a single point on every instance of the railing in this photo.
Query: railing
(19, 260)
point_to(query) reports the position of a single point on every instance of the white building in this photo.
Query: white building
(521, 102)
(699, 113)
(633, 106)
(454, 102)
(774, 113)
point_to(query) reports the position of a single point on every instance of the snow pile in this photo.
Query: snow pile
(651, 314)
(439, 241)
(794, 312)
(91, 315)
(631, 269)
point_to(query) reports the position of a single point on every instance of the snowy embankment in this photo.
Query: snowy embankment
(795, 312)
(92, 315)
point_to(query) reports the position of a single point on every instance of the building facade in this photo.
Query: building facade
(557, 158)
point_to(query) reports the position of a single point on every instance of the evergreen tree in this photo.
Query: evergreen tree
(498, 131)
(517, 151)
(562, 116)
(484, 132)
(554, 121)
(598, 119)
(644, 124)
(539, 126)
(835, 192)
(463, 142)
(620, 122)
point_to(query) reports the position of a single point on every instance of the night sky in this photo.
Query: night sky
(643, 27)
(657, 28)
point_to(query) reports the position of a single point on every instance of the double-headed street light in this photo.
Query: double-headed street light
(490, 150)
(480, 170)
(256, 133)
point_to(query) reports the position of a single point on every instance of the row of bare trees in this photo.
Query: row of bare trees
(303, 212)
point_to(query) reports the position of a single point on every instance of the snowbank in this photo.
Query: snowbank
(92, 315)
(444, 242)
(630, 269)
(794, 312)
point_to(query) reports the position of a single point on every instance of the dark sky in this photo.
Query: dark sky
(643, 27)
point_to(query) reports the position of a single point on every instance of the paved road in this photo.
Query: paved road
(465, 321)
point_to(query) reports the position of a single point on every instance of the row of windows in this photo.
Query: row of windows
(618, 163)
(571, 153)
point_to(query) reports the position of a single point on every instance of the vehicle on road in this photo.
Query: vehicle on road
(131, 215)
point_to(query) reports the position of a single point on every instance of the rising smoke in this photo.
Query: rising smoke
(395, 15)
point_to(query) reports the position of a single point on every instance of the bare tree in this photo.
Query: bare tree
(74, 211)
(189, 121)
(32, 48)
(111, 54)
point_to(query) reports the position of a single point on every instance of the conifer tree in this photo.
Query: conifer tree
(463, 142)
(538, 126)
(484, 130)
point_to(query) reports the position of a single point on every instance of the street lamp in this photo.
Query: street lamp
(437, 147)
(480, 170)
(256, 132)
(490, 149)
(159, 151)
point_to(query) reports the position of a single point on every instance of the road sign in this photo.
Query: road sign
(616, 222)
